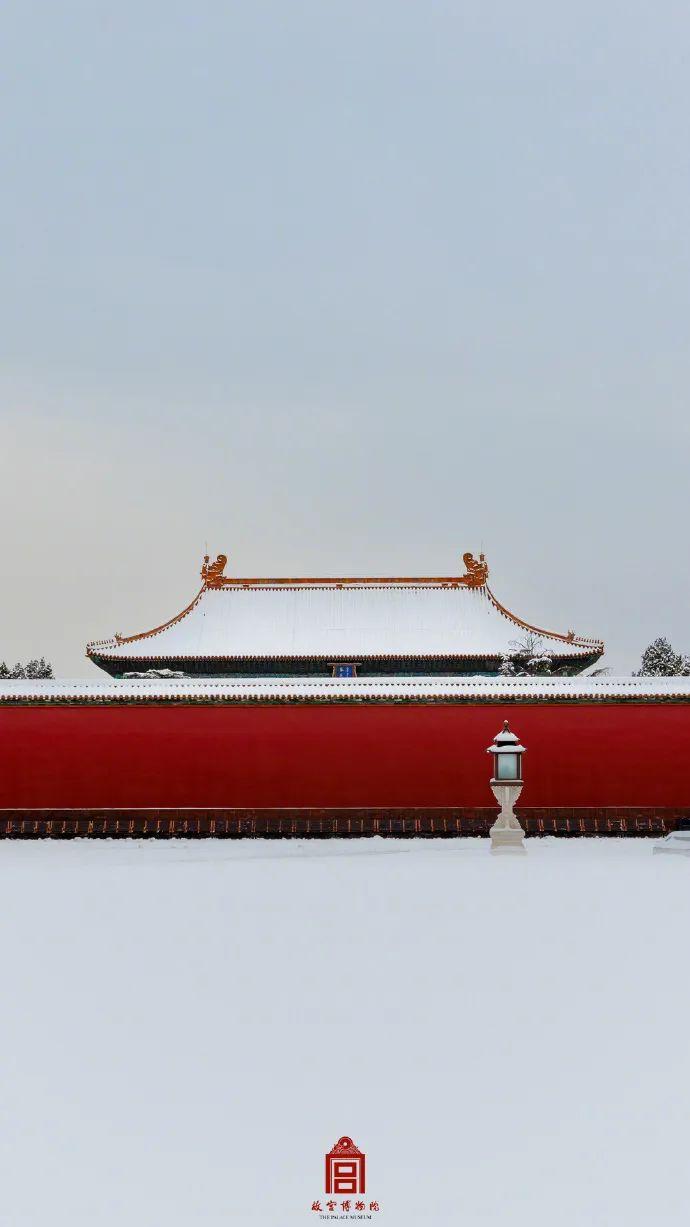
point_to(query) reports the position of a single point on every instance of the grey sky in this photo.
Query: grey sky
(343, 287)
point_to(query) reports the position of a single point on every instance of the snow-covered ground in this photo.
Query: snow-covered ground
(186, 1028)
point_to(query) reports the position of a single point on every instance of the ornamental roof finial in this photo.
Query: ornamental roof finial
(476, 571)
(212, 572)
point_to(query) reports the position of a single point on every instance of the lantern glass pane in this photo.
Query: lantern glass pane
(507, 766)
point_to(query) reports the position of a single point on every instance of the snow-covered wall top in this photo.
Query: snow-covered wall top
(335, 690)
(339, 621)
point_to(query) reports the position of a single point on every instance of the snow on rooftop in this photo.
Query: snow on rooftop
(337, 689)
(189, 1027)
(340, 621)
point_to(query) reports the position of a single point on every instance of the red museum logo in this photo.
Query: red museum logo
(346, 1184)
(345, 1168)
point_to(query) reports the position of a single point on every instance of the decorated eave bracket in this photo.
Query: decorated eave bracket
(475, 576)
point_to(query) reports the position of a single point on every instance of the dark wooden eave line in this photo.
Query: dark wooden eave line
(364, 659)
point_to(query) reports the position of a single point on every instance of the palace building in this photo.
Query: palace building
(357, 627)
(320, 707)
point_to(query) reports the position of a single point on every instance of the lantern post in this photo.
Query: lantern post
(506, 784)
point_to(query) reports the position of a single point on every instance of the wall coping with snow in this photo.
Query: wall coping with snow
(349, 690)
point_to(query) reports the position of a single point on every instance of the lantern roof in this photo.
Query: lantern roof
(506, 742)
(506, 737)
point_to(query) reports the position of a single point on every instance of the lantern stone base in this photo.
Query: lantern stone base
(507, 839)
(506, 834)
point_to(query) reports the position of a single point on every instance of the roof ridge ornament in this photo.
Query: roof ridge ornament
(475, 576)
(212, 572)
(476, 571)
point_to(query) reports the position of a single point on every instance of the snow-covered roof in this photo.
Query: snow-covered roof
(352, 690)
(340, 619)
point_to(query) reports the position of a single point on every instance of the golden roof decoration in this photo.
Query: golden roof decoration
(475, 576)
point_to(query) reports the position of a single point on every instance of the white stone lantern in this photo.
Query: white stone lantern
(506, 784)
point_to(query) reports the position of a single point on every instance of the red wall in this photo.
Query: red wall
(378, 755)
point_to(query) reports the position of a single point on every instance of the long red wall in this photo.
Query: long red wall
(338, 756)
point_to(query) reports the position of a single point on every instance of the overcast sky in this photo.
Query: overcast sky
(343, 286)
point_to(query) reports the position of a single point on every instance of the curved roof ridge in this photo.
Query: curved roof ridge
(577, 640)
(119, 639)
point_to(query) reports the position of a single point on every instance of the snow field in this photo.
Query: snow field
(187, 1027)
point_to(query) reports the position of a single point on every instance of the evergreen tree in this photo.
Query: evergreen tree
(34, 669)
(660, 660)
(38, 669)
(507, 668)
